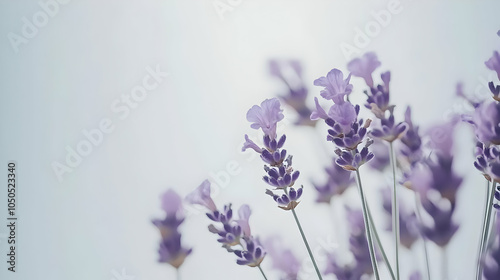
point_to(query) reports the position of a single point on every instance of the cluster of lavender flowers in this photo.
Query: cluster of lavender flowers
(423, 163)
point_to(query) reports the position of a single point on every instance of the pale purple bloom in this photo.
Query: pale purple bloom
(381, 157)
(335, 87)
(364, 66)
(202, 196)
(266, 116)
(494, 63)
(344, 114)
(171, 203)
(319, 113)
(441, 137)
(244, 215)
(389, 130)
(252, 254)
(488, 161)
(415, 276)
(283, 258)
(342, 272)
(249, 144)
(486, 120)
(352, 160)
(411, 149)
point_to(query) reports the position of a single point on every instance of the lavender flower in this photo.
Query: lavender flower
(363, 67)
(335, 87)
(408, 223)
(438, 184)
(486, 121)
(283, 259)
(488, 161)
(338, 181)
(231, 232)
(266, 116)
(494, 63)
(342, 272)
(381, 157)
(170, 250)
(279, 171)
(411, 150)
(290, 73)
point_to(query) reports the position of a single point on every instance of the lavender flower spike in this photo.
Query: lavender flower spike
(170, 250)
(363, 67)
(283, 258)
(491, 263)
(266, 116)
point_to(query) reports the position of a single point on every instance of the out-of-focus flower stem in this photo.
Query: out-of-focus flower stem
(395, 209)
(486, 228)
(424, 241)
(262, 271)
(371, 248)
(379, 243)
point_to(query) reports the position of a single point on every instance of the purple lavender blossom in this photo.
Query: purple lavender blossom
(491, 265)
(486, 121)
(266, 116)
(231, 232)
(411, 150)
(494, 63)
(488, 161)
(381, 157)
(342, 272)
(279, 171)
(338, 181)
(363, 67)
(437, 184)
(170, 250)
(283, 259)
(408, 223)
(335, 87)
(290, 73)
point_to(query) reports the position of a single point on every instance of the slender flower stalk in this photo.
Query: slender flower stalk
(424, 241)
(379, 243)
(486, 229)
(395, 209)
(262, 271)
(367, 226)
(306, 243)
(444, 264)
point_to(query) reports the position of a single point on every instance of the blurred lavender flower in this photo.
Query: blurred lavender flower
(279, 171)
(283, 258)
(437, 185)
(364, 66)
(411, 150)
(231, 232)
(342, 272)
(415, 276)
(381, 157)
(486, 121)
(491, 264)
(408, 223)
(338, 181)
(290, 73)
(170, 250)
(494, 63)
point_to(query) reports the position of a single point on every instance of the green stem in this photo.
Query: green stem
(178, 274)
(483, 228)
(371, 248)
(307, 244)
(419, 217)
(486, 229)
(379, 243)
(444, 264)
(395, 210)
(262, 271)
